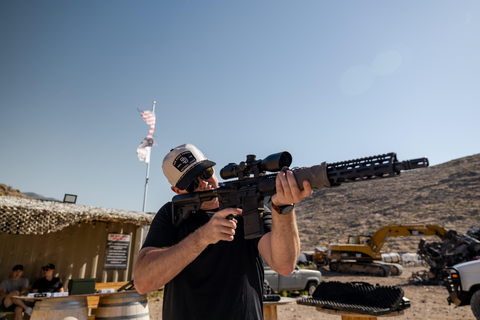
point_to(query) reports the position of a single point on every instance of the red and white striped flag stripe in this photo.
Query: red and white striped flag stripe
(149, 118)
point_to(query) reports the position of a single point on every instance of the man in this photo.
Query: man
(48, 283)
(209, 270)
(14, 286)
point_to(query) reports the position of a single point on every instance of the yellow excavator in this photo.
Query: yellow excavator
(361, 253)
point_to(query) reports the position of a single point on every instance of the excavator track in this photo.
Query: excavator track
(379, 269)
(395, 268)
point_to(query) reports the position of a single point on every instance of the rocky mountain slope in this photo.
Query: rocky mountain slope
(10, 192)
(447, 195)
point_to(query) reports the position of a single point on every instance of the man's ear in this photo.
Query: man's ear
(175, 189)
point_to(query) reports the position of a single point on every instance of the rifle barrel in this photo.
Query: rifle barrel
(412, 164)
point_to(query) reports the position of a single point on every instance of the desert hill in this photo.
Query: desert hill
(10, 192)
(447, 195)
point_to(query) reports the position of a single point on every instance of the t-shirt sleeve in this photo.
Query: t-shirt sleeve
(161, 232)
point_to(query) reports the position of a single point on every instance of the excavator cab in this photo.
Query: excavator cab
(358, 239)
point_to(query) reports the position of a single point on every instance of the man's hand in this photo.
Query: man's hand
(219, 227)
(14, 293)
(288, 191)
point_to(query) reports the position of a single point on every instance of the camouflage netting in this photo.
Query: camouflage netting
(29, 216)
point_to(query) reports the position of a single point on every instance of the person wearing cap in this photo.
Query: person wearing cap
(48, 283)
(11, 287)
(209, 270)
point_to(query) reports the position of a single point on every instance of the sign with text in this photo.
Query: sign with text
(116, 253)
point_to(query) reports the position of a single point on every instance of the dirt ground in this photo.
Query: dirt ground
(428, 302)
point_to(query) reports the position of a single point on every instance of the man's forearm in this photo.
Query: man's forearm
(285, 241)
(157, 266)
(281, 247)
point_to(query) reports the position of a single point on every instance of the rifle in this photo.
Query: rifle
(249, 192)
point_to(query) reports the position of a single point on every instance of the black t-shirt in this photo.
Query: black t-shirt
(224, 282)
(43, 285)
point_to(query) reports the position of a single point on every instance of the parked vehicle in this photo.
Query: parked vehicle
(299, 279)
(463, 285)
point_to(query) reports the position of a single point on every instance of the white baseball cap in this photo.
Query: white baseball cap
(183, 164)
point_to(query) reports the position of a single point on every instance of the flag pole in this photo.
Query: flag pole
(148, 170)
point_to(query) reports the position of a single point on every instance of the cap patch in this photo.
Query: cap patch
(184, 160)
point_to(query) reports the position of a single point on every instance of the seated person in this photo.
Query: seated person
(48, 283)
(11, 287)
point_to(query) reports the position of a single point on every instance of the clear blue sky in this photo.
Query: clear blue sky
(324, 80)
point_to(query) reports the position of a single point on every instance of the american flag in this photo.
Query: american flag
(143, 150)
(149, 118)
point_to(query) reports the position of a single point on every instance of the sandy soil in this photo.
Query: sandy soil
(427, 301)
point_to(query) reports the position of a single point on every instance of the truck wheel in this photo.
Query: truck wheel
(475, 304)
(311, 286)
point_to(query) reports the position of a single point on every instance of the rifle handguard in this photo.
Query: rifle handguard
(317, 175)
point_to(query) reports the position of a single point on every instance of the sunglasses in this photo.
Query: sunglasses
(45, 269)
(205, 175)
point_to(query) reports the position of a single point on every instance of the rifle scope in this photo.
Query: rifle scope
(273, 163)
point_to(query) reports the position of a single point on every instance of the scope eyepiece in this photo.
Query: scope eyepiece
(229, 171)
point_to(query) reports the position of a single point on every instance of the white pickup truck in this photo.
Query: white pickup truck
(463, 285)
(299, 279)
